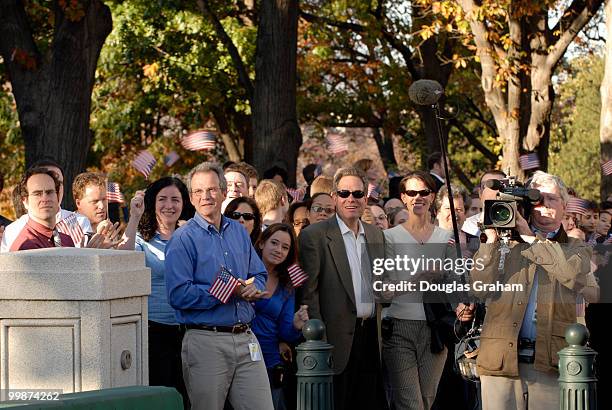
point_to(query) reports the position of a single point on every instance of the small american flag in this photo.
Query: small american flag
(199, 140)
(171, 158)
(70, 226)
(223, 286)
(607, 168)
(297, 193)
(144, 162)
(373, 192)
(113, 193)
(529, 161)
(297, 275)
(577, 206)
(337, 144)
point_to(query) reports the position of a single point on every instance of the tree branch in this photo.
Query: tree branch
(15, 33)
(491, 157)
(243, 75)
(574, 19)
(485, 51)
(311, 18)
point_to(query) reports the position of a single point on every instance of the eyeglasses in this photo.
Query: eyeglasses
(200, 192)
(381, 217)
(320, 209)
(246, 215)
(302, 222)
(345, 193)
(422, 192)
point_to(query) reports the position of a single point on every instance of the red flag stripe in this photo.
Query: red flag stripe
(223, 286)
(297, 275)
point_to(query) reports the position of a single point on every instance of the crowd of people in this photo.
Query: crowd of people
(226, 311)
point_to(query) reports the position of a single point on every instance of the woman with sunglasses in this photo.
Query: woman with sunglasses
(413, 358)
(245, 211)
(276, 319)
(166, 201)
(321, 207)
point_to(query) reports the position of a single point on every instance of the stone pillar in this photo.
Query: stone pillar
(73, 319)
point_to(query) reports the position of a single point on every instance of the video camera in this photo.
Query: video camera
(512, 197)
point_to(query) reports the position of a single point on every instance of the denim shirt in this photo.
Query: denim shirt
(159, 309)
(194, 257)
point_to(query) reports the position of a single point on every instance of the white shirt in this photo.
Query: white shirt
(355, 250)
(438, 177)
(470, 226)
(12, 230)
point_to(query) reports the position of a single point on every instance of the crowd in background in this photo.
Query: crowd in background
(226, 310)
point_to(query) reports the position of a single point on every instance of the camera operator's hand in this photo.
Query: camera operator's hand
(522, 226)
(491, 234)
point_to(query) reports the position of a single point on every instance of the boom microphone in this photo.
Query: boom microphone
(425, 92)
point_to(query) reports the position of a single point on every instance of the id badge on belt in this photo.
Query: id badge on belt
(254, 348)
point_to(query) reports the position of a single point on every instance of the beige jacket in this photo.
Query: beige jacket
(562, 265)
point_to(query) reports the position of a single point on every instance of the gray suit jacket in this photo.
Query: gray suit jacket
(329, 291)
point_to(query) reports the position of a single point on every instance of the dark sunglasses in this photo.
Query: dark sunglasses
(345, 193)
(423, 192)
(246, 215)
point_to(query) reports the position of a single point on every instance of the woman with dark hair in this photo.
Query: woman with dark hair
(275, 320)
(245, 211)
(298, 216)
(166, 202)
(413, 352)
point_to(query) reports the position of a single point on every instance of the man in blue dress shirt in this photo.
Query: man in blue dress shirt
(221, 356)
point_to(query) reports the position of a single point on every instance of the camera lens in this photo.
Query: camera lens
(501, 213)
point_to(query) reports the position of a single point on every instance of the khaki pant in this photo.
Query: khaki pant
(531, 390)
(215, 363)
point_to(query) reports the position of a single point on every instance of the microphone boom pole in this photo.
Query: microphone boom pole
(427, 93)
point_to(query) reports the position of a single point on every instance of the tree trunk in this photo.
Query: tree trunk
(53, 91)
(384, 142)
(276, 133)
(605, 124)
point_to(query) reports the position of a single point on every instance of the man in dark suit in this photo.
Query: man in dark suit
(337, 254)
(436, 169)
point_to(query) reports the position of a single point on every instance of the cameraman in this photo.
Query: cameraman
(518, 358)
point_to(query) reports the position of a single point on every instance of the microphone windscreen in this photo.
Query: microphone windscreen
(425, 92)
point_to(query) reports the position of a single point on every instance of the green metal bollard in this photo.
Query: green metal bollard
(577, 381)
(315, 374)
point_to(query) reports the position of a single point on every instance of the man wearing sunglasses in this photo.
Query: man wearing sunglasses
(337, 253)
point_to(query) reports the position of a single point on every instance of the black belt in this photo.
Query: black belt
(237, 328)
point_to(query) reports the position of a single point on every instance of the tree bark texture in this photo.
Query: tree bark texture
(276, 133)
(605, 124)
(384, 142)
(53, 91)
(522, 111)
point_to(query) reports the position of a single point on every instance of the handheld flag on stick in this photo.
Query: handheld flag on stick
(144, 163)
(171, 158)
(113, 193)
(223, 286)
(337, 144)
(199, 140)
(70, 226)
(297, 275)
(529, 161)
(607, 168)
